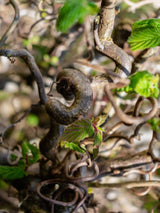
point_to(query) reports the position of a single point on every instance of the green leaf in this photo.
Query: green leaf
(31, 151)
(32, 120)
(25, 149)
(22, 163)
(98, 138)
(143, 83)
(150, 204)
(13, 157)
(74, 11)
(95, 152)
(99, 120)
(3, 185)
(73, 146)
(154, 122)
(145, 34)
(78, 131)
(35, 153)
(12, 172)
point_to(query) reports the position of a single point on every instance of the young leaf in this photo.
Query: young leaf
(78, 130)
(11, 172)
(35, 153)
(145, 34)
(3, 185)
(28, 149)
(74, 11)
(25, 149)
(143, 83)
(98, 138)
(73, 146)
(95, 152)
(99, 120)
(154, 122)
(13, 157)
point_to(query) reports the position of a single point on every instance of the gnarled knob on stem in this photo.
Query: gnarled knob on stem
(79, 87)
(71, 84)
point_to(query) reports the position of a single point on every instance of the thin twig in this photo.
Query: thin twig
(134, 6)
(14, 124)
(107, 167)
(30, 62)
(128, 119)
(152, 170)
(151, 151)
(12, 25)
(128, 185)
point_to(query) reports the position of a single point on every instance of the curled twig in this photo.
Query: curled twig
(151, 151)
(12, 25)
(2, 134)
(115, 142)
(70, 83)
(15, 152)
(57, 202)
(78, 189)
(128, 119)
(150, 172)
(87, 178)
(82, 164)
(136, 131)
(119, 136)
(6, 156)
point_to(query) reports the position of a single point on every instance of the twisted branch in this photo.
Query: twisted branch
(102, 33)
